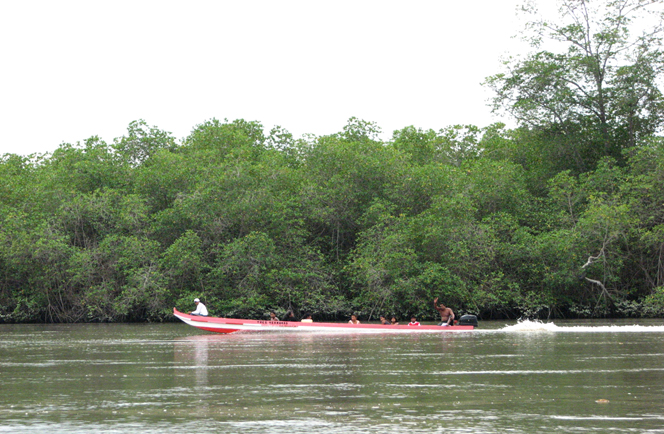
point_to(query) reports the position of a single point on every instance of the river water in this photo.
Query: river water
(562, 377)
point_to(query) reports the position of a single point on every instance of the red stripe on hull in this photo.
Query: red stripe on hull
(210, 329)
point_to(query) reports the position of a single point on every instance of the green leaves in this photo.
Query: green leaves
(142, 142)
(493, 221)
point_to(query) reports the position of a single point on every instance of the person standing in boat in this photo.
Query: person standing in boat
(446, 314)
(201, 310)
(353, 320)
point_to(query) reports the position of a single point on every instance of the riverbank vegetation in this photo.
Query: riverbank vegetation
(562, 216)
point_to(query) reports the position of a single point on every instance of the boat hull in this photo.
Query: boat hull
(232, 325)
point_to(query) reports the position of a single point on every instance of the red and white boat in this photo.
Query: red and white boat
(230, 325)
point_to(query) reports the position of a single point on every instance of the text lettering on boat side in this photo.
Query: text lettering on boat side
(275, 323)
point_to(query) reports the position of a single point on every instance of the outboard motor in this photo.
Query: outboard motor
(468, 320)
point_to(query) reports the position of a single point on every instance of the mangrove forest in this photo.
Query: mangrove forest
(560, 216)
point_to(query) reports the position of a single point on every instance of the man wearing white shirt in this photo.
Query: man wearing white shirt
(201, 310)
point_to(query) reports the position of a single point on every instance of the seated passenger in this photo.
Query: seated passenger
(273, 317)
(384, 321)
(394, 321)
(307, 318)
(201, 310)
(353, 320)
(413, 322)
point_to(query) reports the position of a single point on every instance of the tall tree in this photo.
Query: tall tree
(591, 83)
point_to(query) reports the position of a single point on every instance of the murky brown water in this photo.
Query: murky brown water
(525, 378)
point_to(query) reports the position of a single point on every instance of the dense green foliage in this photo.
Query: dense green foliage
(330, 225)
(562, 216)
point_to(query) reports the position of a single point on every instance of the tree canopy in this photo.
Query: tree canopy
(329, 225)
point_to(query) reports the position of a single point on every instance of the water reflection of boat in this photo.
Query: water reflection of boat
(230, 325)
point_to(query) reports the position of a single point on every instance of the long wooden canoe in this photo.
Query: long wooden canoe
(230, 325)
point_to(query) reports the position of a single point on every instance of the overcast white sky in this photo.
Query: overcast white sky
(74, 69)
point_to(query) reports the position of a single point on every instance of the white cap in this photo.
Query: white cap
(196, 300)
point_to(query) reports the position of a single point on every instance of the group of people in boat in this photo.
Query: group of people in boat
(446, 315)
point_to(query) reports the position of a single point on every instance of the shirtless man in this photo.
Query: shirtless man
(446, 314)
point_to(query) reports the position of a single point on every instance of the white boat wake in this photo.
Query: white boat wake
(550, 327)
